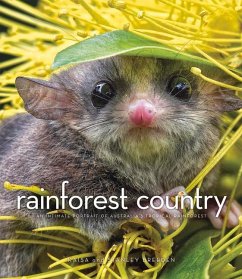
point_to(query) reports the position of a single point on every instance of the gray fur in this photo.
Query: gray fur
(94, 151)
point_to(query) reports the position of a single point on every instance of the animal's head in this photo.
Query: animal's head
(131, 105)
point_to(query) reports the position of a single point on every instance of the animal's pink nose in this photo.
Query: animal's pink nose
(142, 112)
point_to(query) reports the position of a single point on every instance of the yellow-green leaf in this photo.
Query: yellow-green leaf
(120, 42)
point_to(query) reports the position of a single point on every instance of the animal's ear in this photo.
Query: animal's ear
(225, 101)
(44, 99)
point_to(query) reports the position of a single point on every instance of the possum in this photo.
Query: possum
(146, 125)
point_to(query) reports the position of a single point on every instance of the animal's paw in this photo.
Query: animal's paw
(169, 216)
(233, 217)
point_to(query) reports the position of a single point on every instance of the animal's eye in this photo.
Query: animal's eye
(180, 88)
(102, 94)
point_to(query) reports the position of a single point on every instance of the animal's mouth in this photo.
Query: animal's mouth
(144, 131)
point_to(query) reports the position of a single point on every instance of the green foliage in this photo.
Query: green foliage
(193, 258)
(120, 42)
